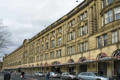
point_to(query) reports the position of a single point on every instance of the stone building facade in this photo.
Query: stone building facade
(87, 39)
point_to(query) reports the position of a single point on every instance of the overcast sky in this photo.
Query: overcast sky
(25, 18)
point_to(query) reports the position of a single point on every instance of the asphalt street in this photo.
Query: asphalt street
(28, 77)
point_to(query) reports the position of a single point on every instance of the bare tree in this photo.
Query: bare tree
(4, 37)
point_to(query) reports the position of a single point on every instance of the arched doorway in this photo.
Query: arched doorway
(116, 54)
(82, 67)
(55, 67)
(46, 67)
(102, 65)
(71, 67)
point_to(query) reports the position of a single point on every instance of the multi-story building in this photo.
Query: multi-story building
(87, 39)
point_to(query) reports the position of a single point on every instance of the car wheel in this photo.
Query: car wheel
(98, 79)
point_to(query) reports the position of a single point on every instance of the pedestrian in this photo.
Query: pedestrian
(47, 75)
(22, 75)
(15, 73)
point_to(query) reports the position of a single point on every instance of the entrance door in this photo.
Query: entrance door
(102, 68)
(116, 67)
(56, 69)
(83, 68)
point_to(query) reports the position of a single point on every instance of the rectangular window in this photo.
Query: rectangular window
(52, 55)
(86, 14)
(58, 53)
(46, 45)
(86, 29)
(79, 48)
(103, 3)
(104, 39)
(82, 16)
(109, 16)
(38, 49)
(98, 42)
(102, 21)
(82, 31)
(59, 41)
(42, 47)
(82, 47)
(109, 2)
(72, 35)
(46, 56)
(79, 32)
(117, 13)
(52, 43)
(114, 36)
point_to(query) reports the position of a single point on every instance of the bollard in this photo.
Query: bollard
(6, 76)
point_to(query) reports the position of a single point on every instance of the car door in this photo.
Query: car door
(90, 76)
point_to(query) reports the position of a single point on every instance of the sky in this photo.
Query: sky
(26, 18)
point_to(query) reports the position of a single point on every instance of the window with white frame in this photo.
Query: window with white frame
(103, 3)
(71, 50)
(71, 23)
(114, 36)
(86, 29)
(72, 35)
(46, 56)
(86, 14)
(82, 30)
(52, 43)
(59, 41)
(104, 39)
(82, 16)
(109, 16)
(79, 48)
(82, 47)
(58, 53)
(109, 2)
(117, 13)
(52, 55)
(98, 41)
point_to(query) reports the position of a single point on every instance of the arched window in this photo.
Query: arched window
(101, 55)
(116, 53)
(82, 59)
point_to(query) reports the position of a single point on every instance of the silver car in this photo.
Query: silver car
(68, 76)
(55, 74)
(39, 74)
(90, 76)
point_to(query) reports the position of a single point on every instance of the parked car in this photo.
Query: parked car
(55, 74)
(90, 76)
(39, 74)
(68, 76)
